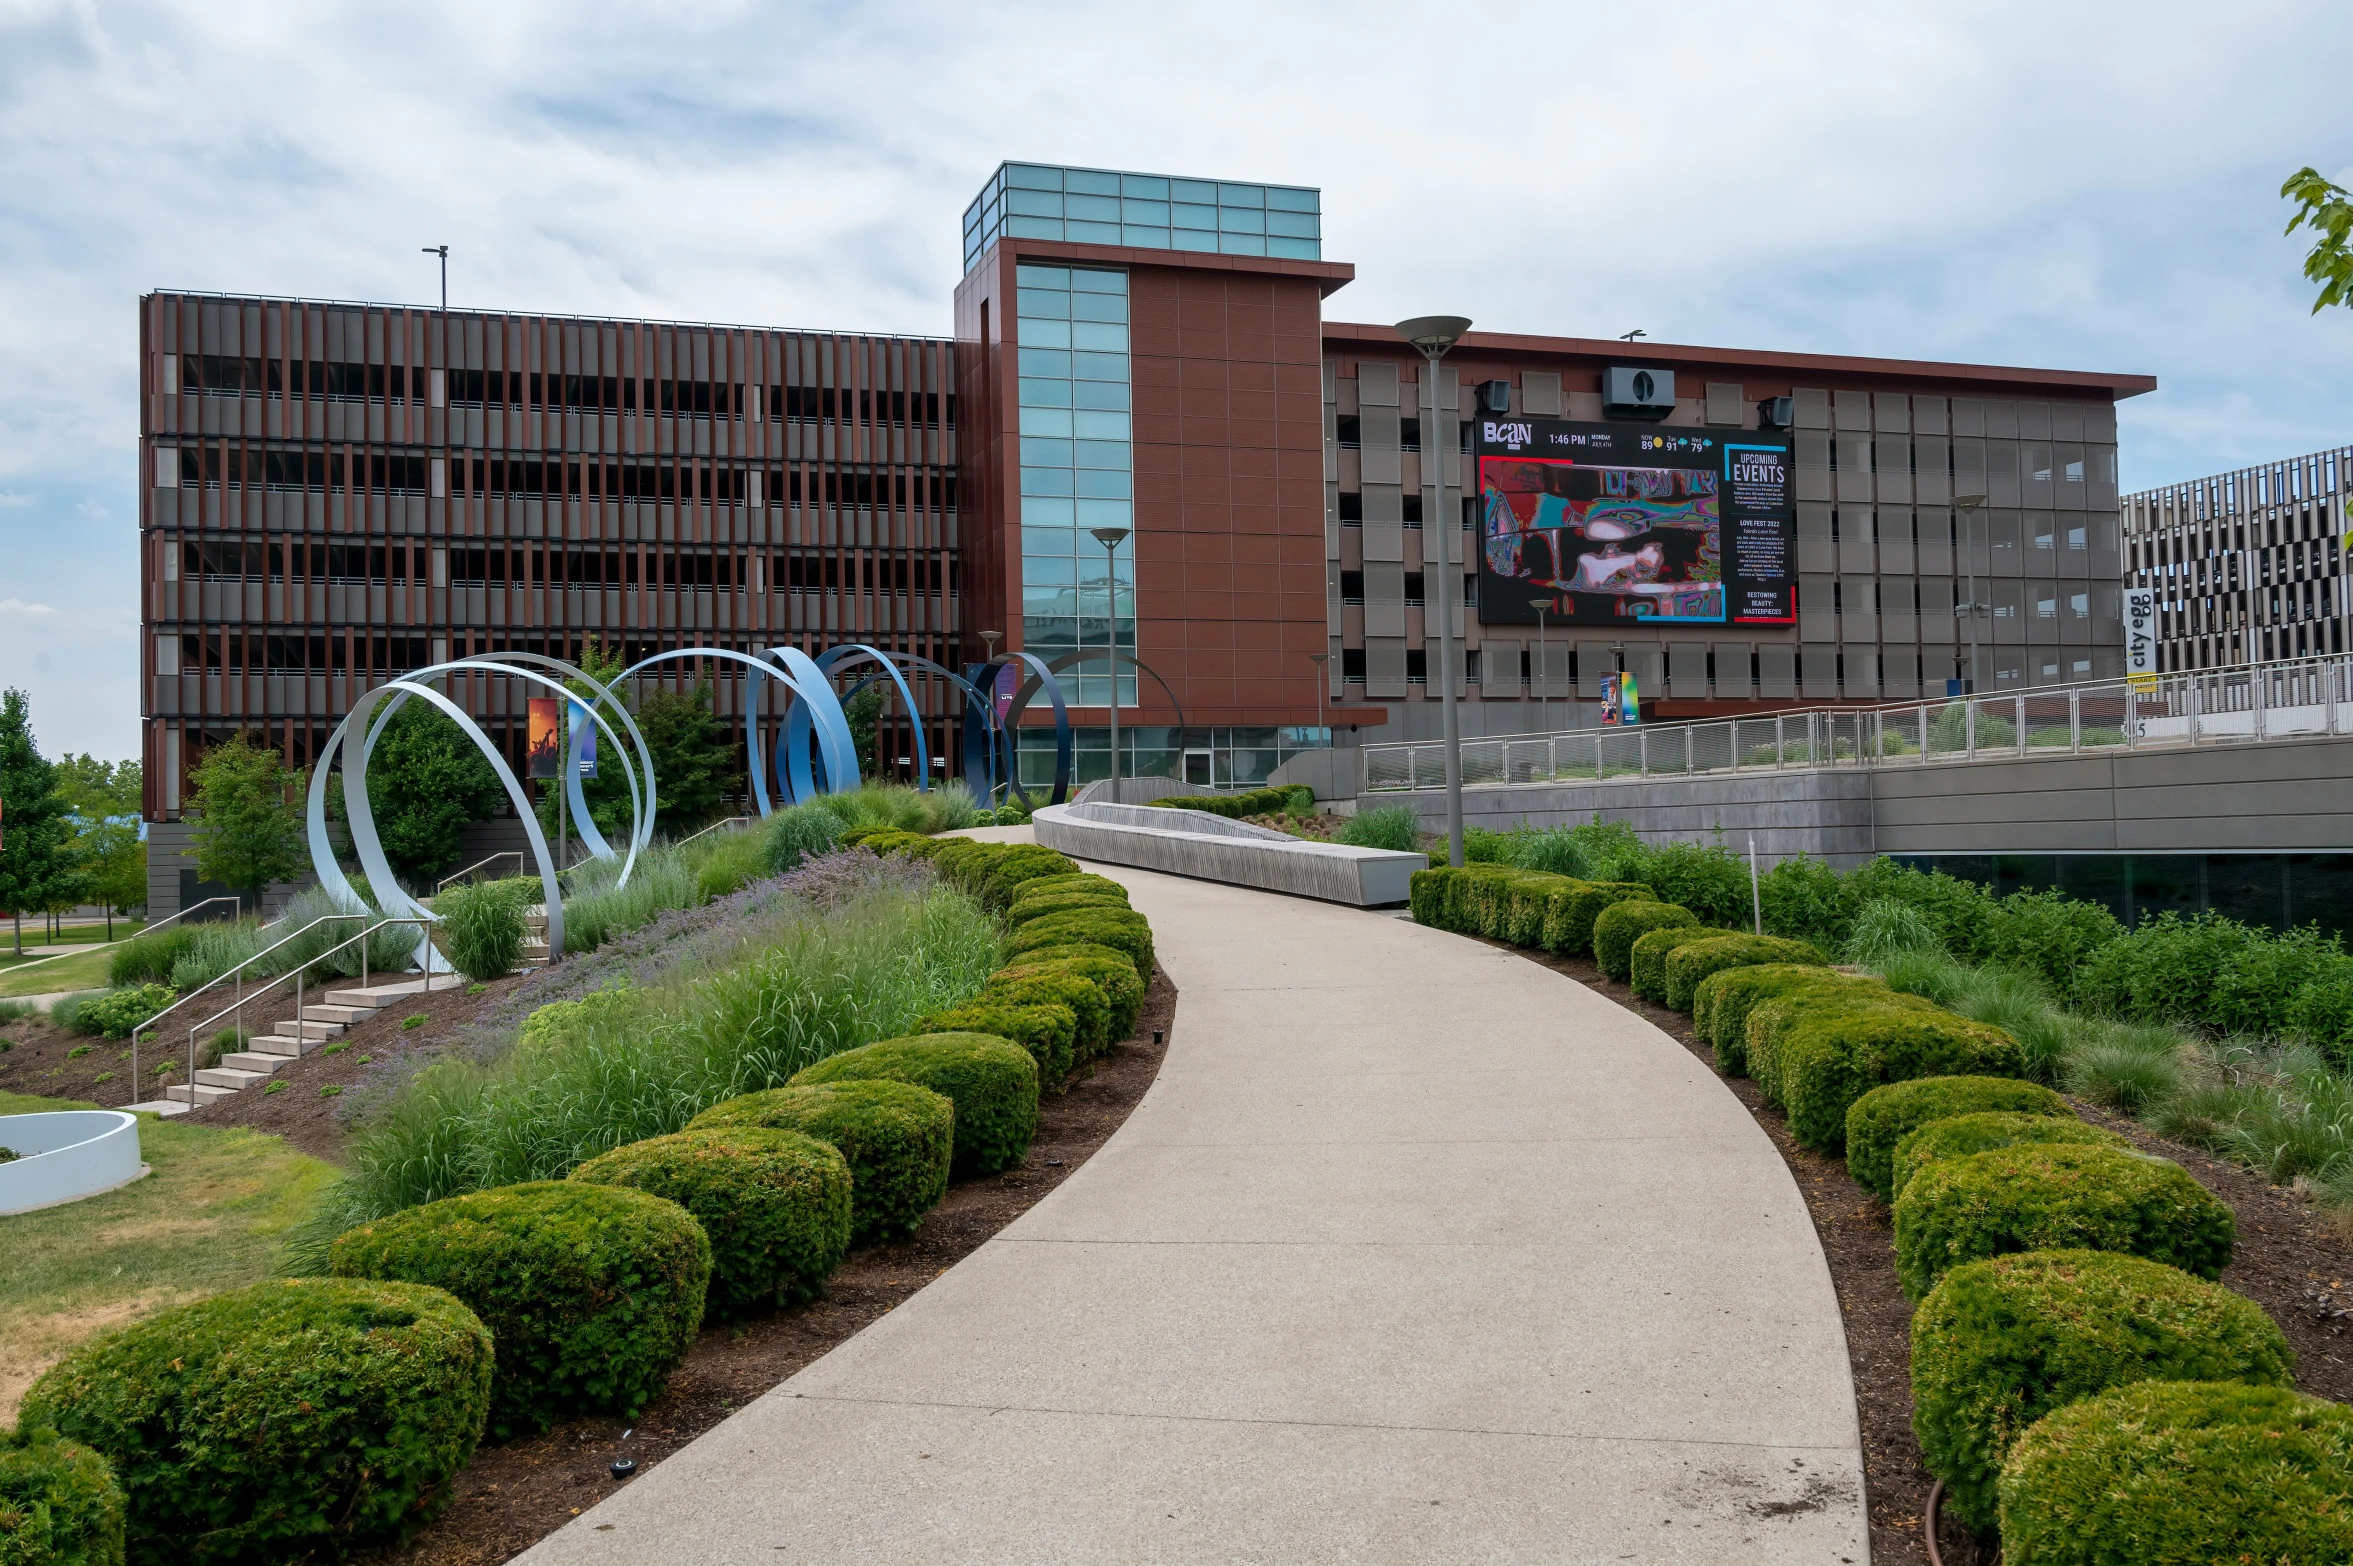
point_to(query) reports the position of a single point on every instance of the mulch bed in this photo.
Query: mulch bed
(2290, 1260)
(511, 1496)
(38, 1057)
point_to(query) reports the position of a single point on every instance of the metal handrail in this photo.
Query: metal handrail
(299, 975)
(515, 854)
(713, 827)
(99, 946)
(237, 973)
(2257, 703)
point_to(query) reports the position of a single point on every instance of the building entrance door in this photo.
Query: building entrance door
(1197, 768)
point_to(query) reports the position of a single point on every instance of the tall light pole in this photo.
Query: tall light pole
(1323, 728)
(1969, 506)
(1109, 538)
(988, 658)
(1543, 709)
(1434, 335)
(443, 252)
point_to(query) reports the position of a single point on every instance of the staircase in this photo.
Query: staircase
(322, 1023)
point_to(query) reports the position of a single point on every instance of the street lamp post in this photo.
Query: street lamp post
(1109, 538)
(443, 252)
(1543, 709)
(1321, 727)
(1969, 506)
(988, 658)
(1433, 335)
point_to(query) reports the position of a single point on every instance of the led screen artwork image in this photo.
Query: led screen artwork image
(1614, 543)
(1604, 524)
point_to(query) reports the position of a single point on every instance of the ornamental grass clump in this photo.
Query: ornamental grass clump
(993, 1084)
(1957, 1136)
(1691, 964)
(1623, 923)
(2040, 1197)
(775, 1204)
(1646, 961)
(2181, 1473)
(898, 1139)
(1881, 1118)
(592, 1293)
(800, 834)
(1830, 1058)
(1393, 827)
(481, 929)
(2002, 1342)
(296, 1417)
(59, 1503)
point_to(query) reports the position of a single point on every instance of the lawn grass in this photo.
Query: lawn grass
(209, 1217)
(82, 971)
(72, 935)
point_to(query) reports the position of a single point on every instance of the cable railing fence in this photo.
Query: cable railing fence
(2247, 705)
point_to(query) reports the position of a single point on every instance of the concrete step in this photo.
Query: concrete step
(379, 996)
(308, 1028)
(229, 1077)
(165, 1107)
(329, 1012)
(201, 1093)
(254, 1060)
(285, 1045)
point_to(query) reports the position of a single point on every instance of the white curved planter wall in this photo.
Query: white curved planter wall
(1213, 848)
(65, 1156)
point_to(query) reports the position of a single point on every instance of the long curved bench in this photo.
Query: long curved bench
(1213, 848)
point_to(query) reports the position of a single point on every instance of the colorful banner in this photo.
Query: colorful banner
(1621, 701)
(546, 756)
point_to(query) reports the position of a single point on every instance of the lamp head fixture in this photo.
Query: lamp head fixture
(1627, 337)
(1109, 537)
(1968, 502)
(1434, 334)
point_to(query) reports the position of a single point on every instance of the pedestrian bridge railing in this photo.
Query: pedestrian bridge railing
(2242, 706)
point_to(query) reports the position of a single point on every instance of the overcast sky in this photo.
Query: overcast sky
(2080, 186)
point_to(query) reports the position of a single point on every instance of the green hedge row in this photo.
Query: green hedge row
(60, 1504)
(1296, 800)
(1553, 913)
(898, 1139)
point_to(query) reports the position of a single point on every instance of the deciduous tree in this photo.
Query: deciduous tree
(37, 862)
(105, 798)
(248, 827)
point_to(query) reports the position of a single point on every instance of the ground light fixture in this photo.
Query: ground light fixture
(1433, 336)
(1969, 506)
(1110, 538)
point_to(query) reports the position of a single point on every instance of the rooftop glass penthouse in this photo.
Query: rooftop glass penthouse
(1143, 212)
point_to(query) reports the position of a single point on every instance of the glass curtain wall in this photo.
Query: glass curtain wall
(1077, 473)
(1144, 211)
(1224, 756)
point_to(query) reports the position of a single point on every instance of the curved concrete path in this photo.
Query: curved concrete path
(1416, 1251)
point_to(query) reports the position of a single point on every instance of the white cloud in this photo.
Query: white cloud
(22, 610)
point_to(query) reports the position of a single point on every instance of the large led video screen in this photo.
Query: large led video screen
(1607, 524)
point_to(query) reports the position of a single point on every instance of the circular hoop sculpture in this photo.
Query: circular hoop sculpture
(1045, 679)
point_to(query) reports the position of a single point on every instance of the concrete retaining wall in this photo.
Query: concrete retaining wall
(1825, 814)
(1211, 848)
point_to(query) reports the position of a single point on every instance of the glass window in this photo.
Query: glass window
(1044, 334)
(1102, 426)
(1091, 233)
(1103, 483)
(1296, 225)
(1097, 280)
(1034, 228)
(1046, 511)
(1152, 214)
(1093, 182)
(1044, 452)
(1095, 307)
(1296, 249)
(1045, 481)
(1194, 190)
(1048, 421)
(1194, 239)
(1093, 366)
(1034, 203)
(1029, 276)
(1054, 568)
(1099, 209)
(2036, 459)
(1030, 176)
(1232, 220)
(1036, 393)
(1194, 217)
(1102, 394)
(1150, 186)
(1045, 361)
(1101, 336)
(1241, 195)
(1245, 244)
(1143, 238)
(1288, 200)
(1096, 453)
(1052, 304)
(1108, 513)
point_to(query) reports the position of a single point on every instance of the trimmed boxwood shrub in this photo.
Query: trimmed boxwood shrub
(1045, 1030)
(1463, 902)
(1694, 961)
(1957, 1136)
(897, 1138)
(1112, 927)
(1886, 1115)
(1018, 865)
(1055, 885)
(2181, 1471)
(1647, 963)
(592, 1293)
(1833, 1056)
(1721, 1003)
(59, 1503)
(292, 1417)
(1568, 922)
(1528, 901)
(2044, 1197)
(2001, 1343)
(776, 1205)
(858, 835)
(1113, 976)
(1090, 1011)
(992, 1081)
(1623, 923)
(1025, 909)
(884, 839)
(1425, 896)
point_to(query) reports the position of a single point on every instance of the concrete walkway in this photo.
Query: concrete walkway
(1415, 1252)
